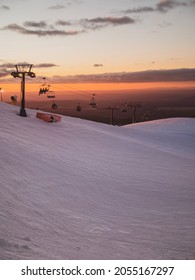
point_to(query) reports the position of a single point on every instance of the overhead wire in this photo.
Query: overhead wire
(76, 90)
(7, 62)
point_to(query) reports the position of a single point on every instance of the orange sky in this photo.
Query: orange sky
(15, 88)
(77, 90)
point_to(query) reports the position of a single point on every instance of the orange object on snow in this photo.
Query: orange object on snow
(48, 117)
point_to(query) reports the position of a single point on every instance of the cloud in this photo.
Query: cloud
(4, 73)
(5, 8)
(112, 20)
(166, 5)
(57, 7)
(66, 5)
(7, 68)
(98, 65)
(159, 75)
(49, 32)
(162, 6)
(40, 24)
(44, 65)
(41, 28)
(139, 10)
(172, 75)
(100, 22)
(40, 65)
(62, 23)
(6, 65)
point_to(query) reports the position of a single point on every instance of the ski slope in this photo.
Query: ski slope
(85, 190)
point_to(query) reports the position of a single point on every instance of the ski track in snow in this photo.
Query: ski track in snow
(85, 190)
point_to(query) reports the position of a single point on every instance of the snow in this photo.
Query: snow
(85, 190)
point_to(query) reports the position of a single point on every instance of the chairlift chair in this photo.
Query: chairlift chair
(54, 105)
(51, 94)
(78, 108)
(93, 103)
(44, 88)
(14, 99)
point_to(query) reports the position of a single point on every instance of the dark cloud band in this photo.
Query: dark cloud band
(51, 32)
(162, 6)
(171, 75)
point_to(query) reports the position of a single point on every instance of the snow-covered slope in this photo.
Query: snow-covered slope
(84, 190)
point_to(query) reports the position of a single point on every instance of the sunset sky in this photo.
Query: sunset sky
(98, 40)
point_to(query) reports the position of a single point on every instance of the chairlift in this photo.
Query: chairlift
(78, 108)
(44, 88)
(14, 99)
(93, 103)
(51, 94)
(54, 105)
(124, 109)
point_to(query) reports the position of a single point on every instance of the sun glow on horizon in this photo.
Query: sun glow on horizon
(63, 89)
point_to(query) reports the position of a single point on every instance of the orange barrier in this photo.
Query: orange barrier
(48, 117)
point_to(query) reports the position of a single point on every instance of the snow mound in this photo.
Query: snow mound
(85, 190)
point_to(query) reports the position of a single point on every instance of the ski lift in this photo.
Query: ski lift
(78, 108)
(44, 88)
(146, 116)
(54, 105)
(134, 108)
(14, 99)
(93, 103)
(124, 108)
(51, 94)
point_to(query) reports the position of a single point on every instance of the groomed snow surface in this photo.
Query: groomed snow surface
(85, 190)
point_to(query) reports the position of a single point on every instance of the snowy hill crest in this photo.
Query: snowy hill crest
(84, 190)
